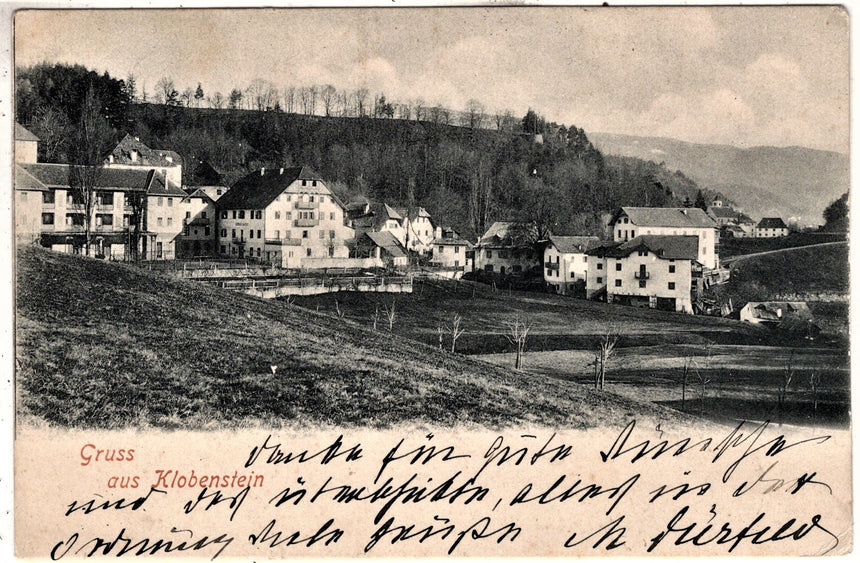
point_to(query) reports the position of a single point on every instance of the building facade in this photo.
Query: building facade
(500, 250)
(655, 271)
(629, 222)
(771, 227)
(287, 217)
(565, 267)
(451, 252)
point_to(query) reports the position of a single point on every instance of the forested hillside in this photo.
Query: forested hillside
(466, 177)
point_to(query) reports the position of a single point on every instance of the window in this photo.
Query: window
(188, 215)
(289, 197)
(572, 275)
(617, 283)
(47, 197)
(75, 219)
(671, 268)
(322, 234)
(503, 254)
(23, 195)
(585, 258)
(223, 233)
(160, 201)
(671, 285)
(599, 280)
(259, 214)
(288, 234)
(259, 233)
(203, 214)
(241, 214)
(304, 182)
(234, 233)
(206, 231)
(170, 221)
(251, 233)
(289, 215)
(489, 255)
(618, 266)
(633, 235)
(277, 234)
(223, 249)
(600, 265)
(224, 214)
(642, 283)
(308, 252)
(313, 182)
(456, 250)
(170, 202)
(488, 267)
(456, 263)
(234, 214)
(626, 220)
(304, 234)
(331, 235)
(331, 216)
(126, 220)
(441, 249)
(311, 199)
(258, 252)
(277, 214)
(159, 222)
(159, 249)
(47, 218)
(643, 253)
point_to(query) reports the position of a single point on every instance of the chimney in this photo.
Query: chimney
(263, 171)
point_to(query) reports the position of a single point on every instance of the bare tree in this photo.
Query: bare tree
(50, 125)
(456, 331)
(328, 95)
(375, 317)
(474, 114)
(289, 99)
(420, 110)
(235, 101)
(261, 94)
(186, 97)
(343, 103)
(404, 111)
(815, 387)
(360, 97)
(441, 332)
(390, 314)
(518, 332)
(91, 141)
(217, 100)
(337, 309)
(684, 379)
(605, 349)
(165, 92)
(480, 198)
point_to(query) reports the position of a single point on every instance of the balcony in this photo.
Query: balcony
(642, 275)
(75, 207)
(306, 222)
(307, 204)
(238, 241)
(104, 207)
(284, 241)
(551, 265)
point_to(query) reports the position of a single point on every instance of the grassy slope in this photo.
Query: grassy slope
(797, 270)
(107, 345)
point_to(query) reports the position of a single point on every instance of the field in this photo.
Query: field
(742, 366)
(105, 345)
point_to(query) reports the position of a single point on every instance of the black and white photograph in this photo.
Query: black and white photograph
(431, 281)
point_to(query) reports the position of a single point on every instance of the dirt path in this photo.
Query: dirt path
(732, 260)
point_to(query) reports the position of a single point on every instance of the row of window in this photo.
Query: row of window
(456, 250)
(77, 219)
(514, 268)
(287, 234)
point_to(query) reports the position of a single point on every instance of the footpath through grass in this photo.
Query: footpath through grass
(110, 346)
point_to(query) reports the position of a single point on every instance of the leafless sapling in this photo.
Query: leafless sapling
(518, 332)
(390, 314)
(605, 349)
(456, 331)
(375, 317)
(784, 383)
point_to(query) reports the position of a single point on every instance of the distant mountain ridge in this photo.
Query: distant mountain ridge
(764, 181)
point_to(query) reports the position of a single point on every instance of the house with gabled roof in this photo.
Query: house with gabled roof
(504, 249)
(287, 217)
(770, 227)
(451, 251)
(383, 246)
(199, 234)
(418, 229)
(377, 217)
(565, 267)
(131, 152)
(629, 222)
(655, 271)
(207, 179)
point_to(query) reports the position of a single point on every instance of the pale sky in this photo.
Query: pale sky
(741, 76)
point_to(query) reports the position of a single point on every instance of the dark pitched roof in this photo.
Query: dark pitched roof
(386, 241)
(146, 156)
(676, 247)
(771, 223)
(27, 182)
(24, 134)
(722, 212)
(416, 212)
(258, 189)
(665, 217)
(450, 237)
(201, 194)
(123, 179)
(574, 244)
(377, 216)
(205, 175)
(160, 187)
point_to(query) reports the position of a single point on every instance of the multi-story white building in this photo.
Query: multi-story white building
(451, 251)
(656, 271)
(501, 251)
(629, 222)
(284, 216)
(418, 229)
(377, 217)
(565, 266)
(770, 227)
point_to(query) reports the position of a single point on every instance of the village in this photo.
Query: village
(274, 226)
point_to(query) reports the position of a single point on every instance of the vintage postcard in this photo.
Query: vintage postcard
(500, 281)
